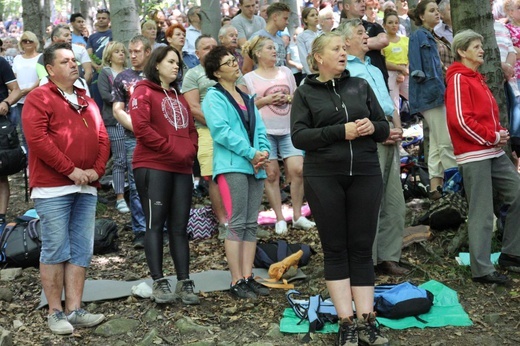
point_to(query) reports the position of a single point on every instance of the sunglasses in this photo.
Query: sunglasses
(230, 62)
(103, 10)
(27, 41)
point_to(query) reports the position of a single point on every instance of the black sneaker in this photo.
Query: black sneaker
(256, 287)
(347, 332)
(493, 278)
(369, 333)
(138, 241)
(241, 290)
(509, 262)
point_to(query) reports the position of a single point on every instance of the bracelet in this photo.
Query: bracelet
(8, 104)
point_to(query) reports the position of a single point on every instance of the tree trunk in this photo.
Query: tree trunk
(36, 16)
(294, 18)
(476, 15)
(125, 20)
(211, 16)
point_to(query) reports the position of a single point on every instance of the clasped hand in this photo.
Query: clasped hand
(83, 177)
(358, 128)
(260, 160)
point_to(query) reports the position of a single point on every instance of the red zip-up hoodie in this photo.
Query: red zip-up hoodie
(60, 138)
(472, 114)
(163, 126)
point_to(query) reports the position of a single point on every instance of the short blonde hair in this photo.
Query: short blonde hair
(28, 35)
(253, 46)
(318, 46)
(149, 23)
(110, 48)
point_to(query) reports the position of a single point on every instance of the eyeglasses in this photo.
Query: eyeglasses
(230, 62)
(26, 41)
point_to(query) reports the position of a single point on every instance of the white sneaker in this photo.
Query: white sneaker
(59, 324)
(281, 227)
(122, 207)
(303, 223)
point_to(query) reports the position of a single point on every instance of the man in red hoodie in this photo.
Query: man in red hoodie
(68, 149)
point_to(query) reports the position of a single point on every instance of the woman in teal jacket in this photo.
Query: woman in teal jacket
(240, 151)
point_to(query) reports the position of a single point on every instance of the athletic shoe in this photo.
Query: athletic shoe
(347, 332)
(138, 241)
(369, 333)
(184, 292)
(82, 318)
(121, 206)
(281, 227)
(509, 262)
(162, 292)
(257, 287)
(59, 324)
(303, 223)
(241, 290)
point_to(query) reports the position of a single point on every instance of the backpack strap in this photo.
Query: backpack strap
(281, 251)
(306, 253)
(3, 239)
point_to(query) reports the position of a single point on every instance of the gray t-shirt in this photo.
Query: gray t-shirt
(281, 52)
(246, 27)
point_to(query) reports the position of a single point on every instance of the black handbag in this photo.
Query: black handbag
(20, 244)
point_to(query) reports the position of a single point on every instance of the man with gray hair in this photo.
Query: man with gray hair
(228, 37)
(444, 28)
(386, 250)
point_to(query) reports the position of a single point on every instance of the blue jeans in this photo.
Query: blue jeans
(138, 218)
(67, 225)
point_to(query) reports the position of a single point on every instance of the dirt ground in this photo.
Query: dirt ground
(495, 311)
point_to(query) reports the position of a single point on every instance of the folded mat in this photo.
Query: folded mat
(446, 311)
(206, 281)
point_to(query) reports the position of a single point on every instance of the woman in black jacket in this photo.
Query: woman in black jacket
(337, 120)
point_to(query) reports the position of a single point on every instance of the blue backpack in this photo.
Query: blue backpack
(401, 300)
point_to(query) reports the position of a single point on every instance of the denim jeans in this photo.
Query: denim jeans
(67, 225)
(138, 218)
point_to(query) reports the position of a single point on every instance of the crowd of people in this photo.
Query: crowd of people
(322, 99)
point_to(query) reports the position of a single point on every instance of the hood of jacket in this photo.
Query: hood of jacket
(149, 84)
(329, 86)
(458, 67)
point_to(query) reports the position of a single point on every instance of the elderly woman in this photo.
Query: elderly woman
(427, 91)
(241, 150)
(337, 120)
(149, 30)
(478, 138)
(274, 87)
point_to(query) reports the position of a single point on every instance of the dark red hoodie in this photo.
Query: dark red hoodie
(164, 129)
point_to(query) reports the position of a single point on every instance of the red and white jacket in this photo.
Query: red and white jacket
(472, 114)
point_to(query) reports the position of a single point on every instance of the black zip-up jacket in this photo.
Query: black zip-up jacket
(318, 116)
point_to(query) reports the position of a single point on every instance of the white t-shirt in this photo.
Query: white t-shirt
(25, 71)
(276, 118)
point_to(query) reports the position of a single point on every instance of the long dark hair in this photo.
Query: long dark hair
(158, 55)
(415, 13)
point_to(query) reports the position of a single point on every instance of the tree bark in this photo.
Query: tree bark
(36, 16)
(125, 20)
(210, 16)
(294, 18)
(476, 15)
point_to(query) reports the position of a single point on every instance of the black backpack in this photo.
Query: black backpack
(20, 243)
(273, 252)
(12, 155)
(105, 237)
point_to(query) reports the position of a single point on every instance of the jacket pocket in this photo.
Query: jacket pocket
(182, 149)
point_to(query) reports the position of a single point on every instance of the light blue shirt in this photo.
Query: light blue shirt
(375, 79)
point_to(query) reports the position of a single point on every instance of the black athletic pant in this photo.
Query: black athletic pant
(346, 210)
(165, 197)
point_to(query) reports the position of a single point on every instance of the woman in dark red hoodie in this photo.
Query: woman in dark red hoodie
(478, 138)
(163, 161)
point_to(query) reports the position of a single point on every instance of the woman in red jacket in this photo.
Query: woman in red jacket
(478, 138)
(163, 161)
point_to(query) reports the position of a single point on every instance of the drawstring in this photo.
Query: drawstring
(173, 108)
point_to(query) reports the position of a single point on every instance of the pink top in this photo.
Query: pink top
(515, 37)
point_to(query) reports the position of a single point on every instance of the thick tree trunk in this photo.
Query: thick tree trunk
(476, 15)
(294, 18)
(125, 20)
(211, 16)
(36, 16)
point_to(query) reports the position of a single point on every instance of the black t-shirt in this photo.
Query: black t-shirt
(376, 58)
(6, 76)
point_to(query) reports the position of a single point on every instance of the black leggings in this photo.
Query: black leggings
(165, 197)
(346, 210)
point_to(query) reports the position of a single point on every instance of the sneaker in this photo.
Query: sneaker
(184, 292)
(303, 223)
(262, 233)
(222, 231)
(509, 262)
(82, 318)
(59, 324)
(121, 206)
(257, 287)
(369, 333)
(241, 290)
(347, 332)
(138, 241)
(281, 227)
(162, 292)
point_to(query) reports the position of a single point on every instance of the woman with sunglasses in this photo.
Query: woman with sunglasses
(163, 161)
(24, 68)
(240, 152)
(274, 87)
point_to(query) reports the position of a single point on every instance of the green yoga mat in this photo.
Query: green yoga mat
(446, 311)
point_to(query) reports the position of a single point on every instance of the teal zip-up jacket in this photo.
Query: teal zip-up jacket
(233, 145)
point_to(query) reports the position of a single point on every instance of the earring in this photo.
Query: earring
(321, 62)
